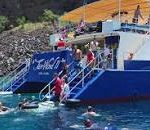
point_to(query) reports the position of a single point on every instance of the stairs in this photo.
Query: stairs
(78, 81)
(16, 78)
(82, 84)
(46, 92)
(89, 82)
(81, 81)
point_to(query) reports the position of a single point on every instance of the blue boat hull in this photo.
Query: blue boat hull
(31, 87)
(117, 86)
(110, 87)
(105, 87)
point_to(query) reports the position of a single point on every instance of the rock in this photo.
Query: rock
(16, 46)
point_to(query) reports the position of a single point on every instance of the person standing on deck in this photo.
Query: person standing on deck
(148, 20)
(137, 14)
(91, 58)
(61, 44)
(93, 46)
(78, 57)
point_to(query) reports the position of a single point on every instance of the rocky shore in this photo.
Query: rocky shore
(16, 46)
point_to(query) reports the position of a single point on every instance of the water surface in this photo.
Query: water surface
(134, 116)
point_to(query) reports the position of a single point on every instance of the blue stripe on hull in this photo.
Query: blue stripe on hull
(116, 100)
(115, 86)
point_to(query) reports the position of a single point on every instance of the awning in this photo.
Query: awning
(108, 9)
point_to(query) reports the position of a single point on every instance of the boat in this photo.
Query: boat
(124, 78)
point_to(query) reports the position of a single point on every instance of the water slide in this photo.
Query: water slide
(129, 43)
(144, 51)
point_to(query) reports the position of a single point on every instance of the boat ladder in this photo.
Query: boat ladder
(48, 89)
(85, 75)
(15, 79)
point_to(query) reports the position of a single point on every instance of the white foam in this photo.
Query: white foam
(7, 111)
(6, 92)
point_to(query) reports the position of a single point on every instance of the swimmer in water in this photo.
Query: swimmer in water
(110, 127)
(23, 103)
(3, 108)
(26, 104)
(89, 112)
(88, 123)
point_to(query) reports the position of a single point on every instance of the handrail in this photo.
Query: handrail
(102, 71)
(135, 26)
(48, 85)
(83, 69)
(82, 79)
(27, 61)
(16, 80)
(13, 74)
(75, 86)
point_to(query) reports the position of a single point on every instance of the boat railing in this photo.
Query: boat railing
(49, 88)
(19, 76)
(8, 80)
(99, 60)
(82, 71)
(101, 71)
(137, 28)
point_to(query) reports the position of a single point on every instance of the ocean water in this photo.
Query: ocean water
(132, 116)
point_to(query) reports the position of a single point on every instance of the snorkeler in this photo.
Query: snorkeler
(3, 108)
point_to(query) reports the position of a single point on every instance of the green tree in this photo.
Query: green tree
(48, 16)
(21, 21)
(3, 23)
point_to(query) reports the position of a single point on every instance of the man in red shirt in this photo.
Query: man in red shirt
(61, 44)
(57, 88)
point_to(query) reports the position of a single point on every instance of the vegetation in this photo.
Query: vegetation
(34, 26)
(21, 21)
(47, 19)
(3, 23)
(48, 16)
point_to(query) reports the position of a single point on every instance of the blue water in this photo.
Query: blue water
(134, 116)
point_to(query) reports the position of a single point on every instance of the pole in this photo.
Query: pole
(149, 16)
(119, 11)
(84, 9)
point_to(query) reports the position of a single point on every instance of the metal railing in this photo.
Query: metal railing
(10, 79)
(41, 96)
(19, 76)
(83, 88)
(82, 80)
(48, 86)
(136, 28)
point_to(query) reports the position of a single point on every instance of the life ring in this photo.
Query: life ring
(30, 106)
(72, 102)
